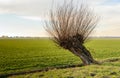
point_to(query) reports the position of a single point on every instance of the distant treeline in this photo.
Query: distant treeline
(22, 37)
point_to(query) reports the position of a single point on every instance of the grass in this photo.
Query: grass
(30, 54)
(18, 55)
(93, 71)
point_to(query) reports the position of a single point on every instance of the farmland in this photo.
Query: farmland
(19, 55)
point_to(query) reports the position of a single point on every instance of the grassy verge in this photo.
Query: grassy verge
(106, 70)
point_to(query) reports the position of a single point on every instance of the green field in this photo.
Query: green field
(19, 55)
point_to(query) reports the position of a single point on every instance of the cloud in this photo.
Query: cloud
(25, 7)
(31, 18)
(37, 9)
(111, 2)
(109, 22)
(32, 7)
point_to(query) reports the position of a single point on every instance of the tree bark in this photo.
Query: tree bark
(82, 52)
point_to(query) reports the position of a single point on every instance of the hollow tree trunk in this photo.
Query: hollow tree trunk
(83, 54)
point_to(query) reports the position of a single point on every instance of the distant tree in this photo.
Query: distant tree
(70, 27)
(4, 36)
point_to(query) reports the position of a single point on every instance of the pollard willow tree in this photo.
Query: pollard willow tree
(70, 26)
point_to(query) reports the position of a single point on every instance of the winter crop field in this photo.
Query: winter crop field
(22, 55)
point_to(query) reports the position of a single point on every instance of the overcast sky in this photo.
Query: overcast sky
(25, 17)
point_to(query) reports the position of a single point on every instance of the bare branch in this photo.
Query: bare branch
(68, 23)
